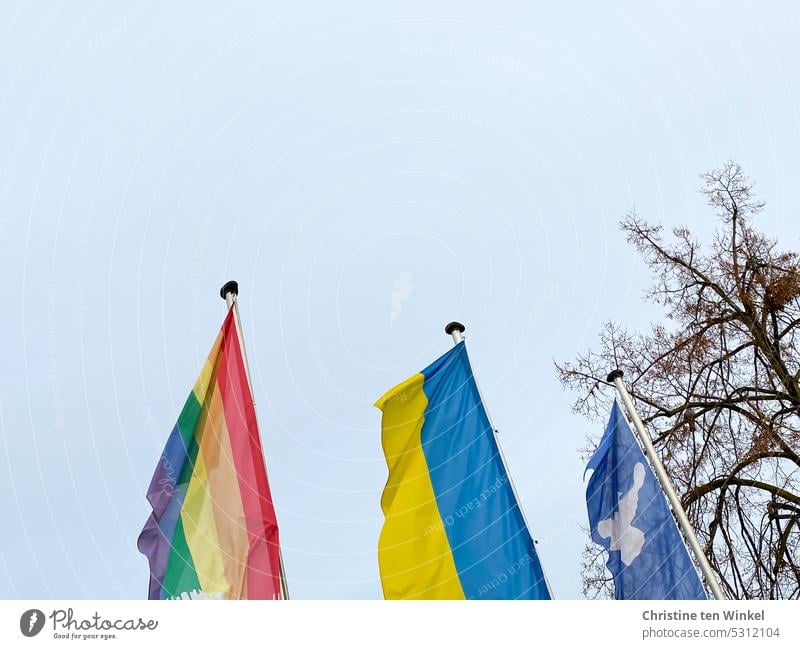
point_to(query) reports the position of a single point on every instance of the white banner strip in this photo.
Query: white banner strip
(405, 625)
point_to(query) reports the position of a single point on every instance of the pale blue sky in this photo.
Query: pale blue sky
(367, 172)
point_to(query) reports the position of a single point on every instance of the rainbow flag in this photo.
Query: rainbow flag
(213, 531)
(453, 527)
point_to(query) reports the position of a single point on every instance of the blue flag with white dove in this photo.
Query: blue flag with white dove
(629, 516)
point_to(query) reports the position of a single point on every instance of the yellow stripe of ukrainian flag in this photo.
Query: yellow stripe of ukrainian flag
(414, 555)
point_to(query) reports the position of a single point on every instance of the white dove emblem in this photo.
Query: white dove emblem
(624, 537)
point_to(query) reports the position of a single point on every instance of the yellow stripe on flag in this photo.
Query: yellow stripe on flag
(414, 555)
(226, 502)
(197, 513)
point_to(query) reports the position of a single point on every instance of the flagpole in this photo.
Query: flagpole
(616, 378)
(456, 330)
(230, 293)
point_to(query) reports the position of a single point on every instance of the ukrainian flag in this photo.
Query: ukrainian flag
(453, 528)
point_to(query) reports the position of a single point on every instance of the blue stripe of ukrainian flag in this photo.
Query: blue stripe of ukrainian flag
(453, 528)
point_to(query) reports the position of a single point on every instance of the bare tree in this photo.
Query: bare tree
(717, 386)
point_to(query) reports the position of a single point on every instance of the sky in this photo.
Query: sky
(368, 172)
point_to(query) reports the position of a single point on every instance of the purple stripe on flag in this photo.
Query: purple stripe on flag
(155, 542)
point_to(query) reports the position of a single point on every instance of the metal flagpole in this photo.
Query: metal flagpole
(230, 293)
(456, 330)
(616, 378)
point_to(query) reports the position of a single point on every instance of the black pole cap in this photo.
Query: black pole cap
(229, 287)
(616, 374)
(454, 326)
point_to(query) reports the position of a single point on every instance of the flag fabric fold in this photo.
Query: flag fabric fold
(630, 517)
(213, 532)
(453, 528)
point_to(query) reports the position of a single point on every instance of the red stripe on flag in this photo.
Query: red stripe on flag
(263, 572)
